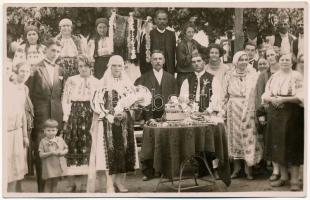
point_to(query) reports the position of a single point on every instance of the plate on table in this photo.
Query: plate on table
(145, 94)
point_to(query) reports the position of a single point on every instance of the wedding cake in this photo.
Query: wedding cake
(174, 110)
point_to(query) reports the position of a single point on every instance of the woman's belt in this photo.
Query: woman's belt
(86, 101)
(237, 97)
(11, 130)
(103, 56)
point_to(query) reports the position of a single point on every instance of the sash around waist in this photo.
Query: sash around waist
(237, 97)
(11, 130)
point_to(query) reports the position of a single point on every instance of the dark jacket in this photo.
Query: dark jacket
(184, 55)
(165, 42)
(259, 40)
(160, 93)
(278, 39)
(45, 97)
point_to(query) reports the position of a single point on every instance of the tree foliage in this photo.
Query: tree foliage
(214, 21)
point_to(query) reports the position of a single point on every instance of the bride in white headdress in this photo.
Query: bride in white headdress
(114, 149)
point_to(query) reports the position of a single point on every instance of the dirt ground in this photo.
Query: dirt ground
(135, 184)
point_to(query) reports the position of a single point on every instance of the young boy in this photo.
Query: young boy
(52, 150)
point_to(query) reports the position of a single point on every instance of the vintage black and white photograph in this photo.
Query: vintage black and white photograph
(199, 99)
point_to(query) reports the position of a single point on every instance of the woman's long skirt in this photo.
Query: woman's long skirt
(116, 157)
(16, 154)
(285, 134)
(243, 142)
(78, 138)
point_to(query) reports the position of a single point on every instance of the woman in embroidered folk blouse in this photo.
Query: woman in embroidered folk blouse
(239, 87)
(71, 48)
(78, 117)
(112, 128)
(31, 50)
(284, 136)
(100, 47)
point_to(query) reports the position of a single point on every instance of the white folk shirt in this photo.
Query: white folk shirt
(285, 44)
(158, 75)
(300, 44)
(184, 91)
(69, 48)
(50, 70)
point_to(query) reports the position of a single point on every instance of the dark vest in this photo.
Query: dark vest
(295, 47)
(205, 89)
(278, 39)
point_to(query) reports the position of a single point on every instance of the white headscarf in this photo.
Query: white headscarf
(119, 84)
(65, 21)
(237, 57)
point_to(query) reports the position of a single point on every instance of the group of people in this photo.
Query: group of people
(65, 102)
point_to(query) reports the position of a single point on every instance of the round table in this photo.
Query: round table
(169, 146)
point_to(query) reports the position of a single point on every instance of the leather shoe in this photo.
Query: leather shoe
(216, 175)
(120, 188)
(295, 187)
(249, 177)
(235, 174)
(274, 177)
(145, 178)
(279, 183)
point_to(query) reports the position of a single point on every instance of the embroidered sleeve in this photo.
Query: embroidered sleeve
(216, 97)
(184, 91)
(83, 43)
(298, 81)
(66, 99)
(98, 101)
(91, 49)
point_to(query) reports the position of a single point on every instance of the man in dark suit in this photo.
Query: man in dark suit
(298, 44)
(162, 85)
(252, 34)
(250, 49)
(45, 90)
(161, 39)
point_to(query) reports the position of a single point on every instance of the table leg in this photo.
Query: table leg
(180, 175)
(159, 182)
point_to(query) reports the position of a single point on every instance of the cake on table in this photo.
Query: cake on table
(174, 110)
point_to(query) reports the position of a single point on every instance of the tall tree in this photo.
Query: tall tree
(239, 36)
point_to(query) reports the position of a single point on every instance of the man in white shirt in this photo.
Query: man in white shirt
(283, 39)
(50, 66)
(198, 86)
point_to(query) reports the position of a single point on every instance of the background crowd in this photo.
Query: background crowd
(66, 100)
